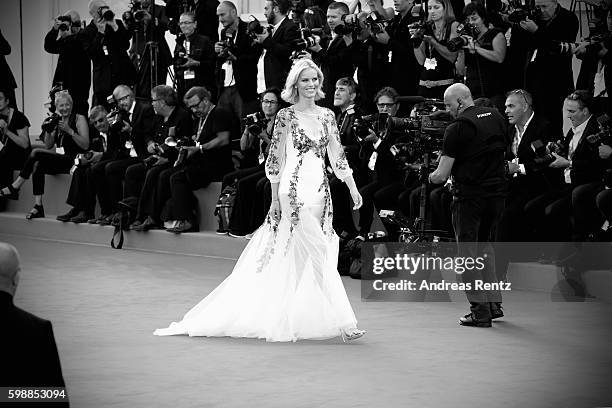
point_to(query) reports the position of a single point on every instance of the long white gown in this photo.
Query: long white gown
(286, 286)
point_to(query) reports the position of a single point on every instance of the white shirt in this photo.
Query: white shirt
(578, 132)
(518, 137)
(261, 78)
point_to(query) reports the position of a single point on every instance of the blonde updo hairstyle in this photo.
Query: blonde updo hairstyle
(290, 93)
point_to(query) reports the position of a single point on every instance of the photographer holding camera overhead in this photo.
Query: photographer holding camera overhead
(73, 69)
(549, 72)
(236, 68)
(484, 52)
(106, 41)
(194, 57)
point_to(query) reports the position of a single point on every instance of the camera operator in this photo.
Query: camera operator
(172, 124)
(204, 11)
(438, 62)
(236, 71)
(527, 178)
(147, 24)
(107, 144)
(73, 70)
(334, 57)
(254, 144)
(194, 57)
(209, 160)
(69, 133)
(106, 41)
(549, 72)
(473, 152)
(276, 41)
(583, 167)
(481, 61)
(385, 178)
(14, 144)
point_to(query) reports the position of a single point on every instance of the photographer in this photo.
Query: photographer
(204, 11)
(334, 58)
(481, 61)
(14, 144)
(549, 72)
(73, 70)
(70, 135)
(473, 153)
(253, 143)
(385, 178)
(583, 167)
(9, 84)
(147, 24)
(275, 42)
(107, 144)
(236, 67)
(208, 161)
(106, 41)
(172, 124)
(438, 62)
(194, 57)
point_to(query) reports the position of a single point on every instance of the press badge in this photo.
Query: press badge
(189, 74)
(430, 63)
(59, 150)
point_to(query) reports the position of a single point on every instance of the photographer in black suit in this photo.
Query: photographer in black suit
(73, 68)
(30, 354)
(473, 152)
(549, 72)
(334, 56)
(204, 11)
(276, 41)
(106, 41)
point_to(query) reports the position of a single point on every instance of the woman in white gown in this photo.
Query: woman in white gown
(286, 286)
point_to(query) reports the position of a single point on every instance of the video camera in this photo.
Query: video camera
(256, 122)
(363, 125)
(134, 17)
(464, 31)
(51, 121)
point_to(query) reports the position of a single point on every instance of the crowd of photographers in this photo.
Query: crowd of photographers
(149, 145)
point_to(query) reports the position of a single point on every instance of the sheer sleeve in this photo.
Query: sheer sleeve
(335, 150)
(276, 156)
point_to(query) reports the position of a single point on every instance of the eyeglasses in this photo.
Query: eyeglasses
(268, 102)
(194, 106)
(385, 105)
(124, 97)
(523, 93)
(186, 22)
(99, 120)
(155, 100)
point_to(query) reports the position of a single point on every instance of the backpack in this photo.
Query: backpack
(123, 218)
(225, 206)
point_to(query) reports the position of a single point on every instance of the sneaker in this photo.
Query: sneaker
(222, 232)
(236, 234)
(66, 217)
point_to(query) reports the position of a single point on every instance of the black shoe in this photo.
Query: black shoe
(80, 218)
(132, 226)
(148, 224)
(496, 311)
(9, 192)
(182, 226)
(36, 212)
(66, 217)
(106, 219)
(469, 320)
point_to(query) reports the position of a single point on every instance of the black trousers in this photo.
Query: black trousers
(41, 162)
(604, 204)
(114, 174)
(246, 187)
(342, 205)
(83, 188)
(262, 202)
(475, 221)
(183, 204)
(134, 179)
(382, 195)
(155, 191)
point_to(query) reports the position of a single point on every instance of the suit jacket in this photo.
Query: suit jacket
(245, 66)
(335, 62)
(537, 178)
(142, 121)
(5, 70)
(202, 50)
(278, 50)
(108, 52)
(31, 358)
(587, 166)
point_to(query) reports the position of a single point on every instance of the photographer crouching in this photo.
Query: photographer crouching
(107, 144)
(473, 153)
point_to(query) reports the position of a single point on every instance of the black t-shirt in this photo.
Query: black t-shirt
(18, 121)
(218, 120)
(479, 167)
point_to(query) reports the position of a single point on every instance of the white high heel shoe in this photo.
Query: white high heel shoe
(351, 334)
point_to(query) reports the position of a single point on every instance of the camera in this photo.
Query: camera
(362, 125)
(544, 153)
(422, 29)
(65, 23)
(83, 158)
(106, 13)
(229, 44)
(376, 24)
(182, 153)
(254, 28)
(464, 31)
(134, 16)
(605, 126)
(347, 27)
(255, 123)
(51, 121)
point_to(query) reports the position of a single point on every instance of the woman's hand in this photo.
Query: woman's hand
(275, 210)
(64, 127)
(357, 200)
